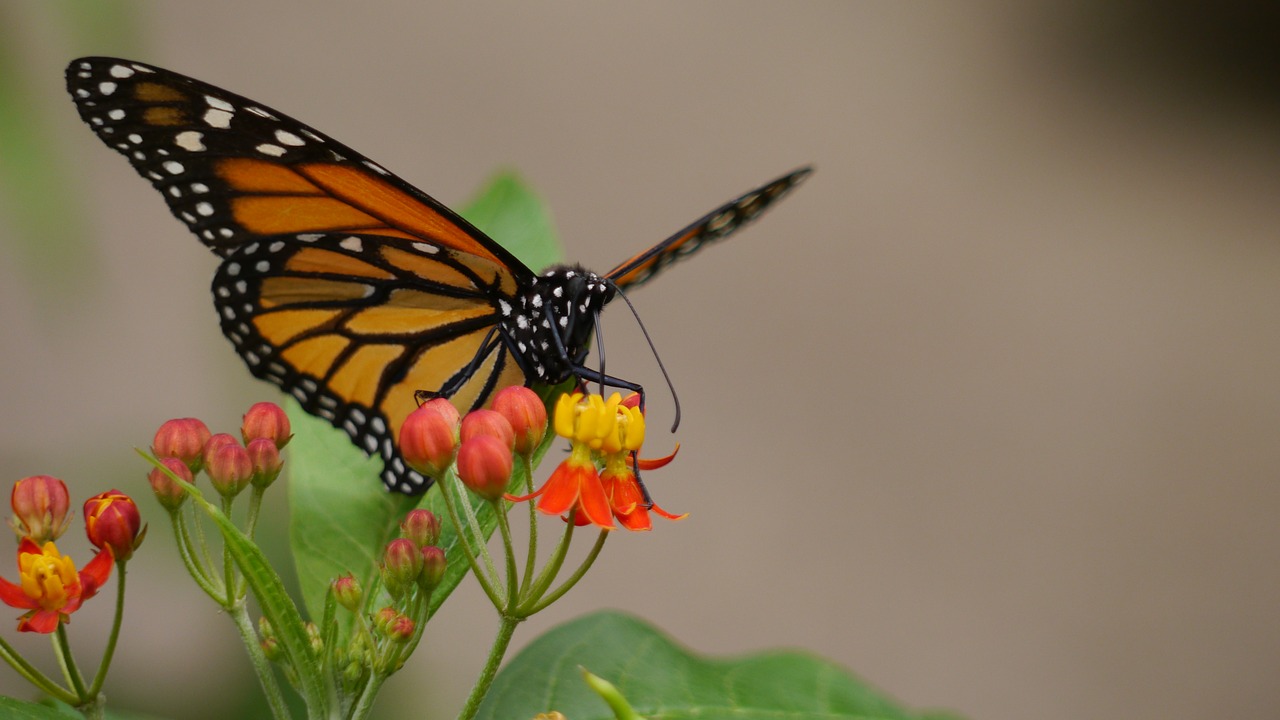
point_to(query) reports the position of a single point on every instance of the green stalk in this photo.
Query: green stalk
(188, 554)
(573, 579)
(484, 580)
(506, 629)
(62, 648)
(261, 665)
(32, 675)
(116, 622)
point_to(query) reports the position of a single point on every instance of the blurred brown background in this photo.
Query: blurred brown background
(987, 411)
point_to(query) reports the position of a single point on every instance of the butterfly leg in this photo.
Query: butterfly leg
(459, 379)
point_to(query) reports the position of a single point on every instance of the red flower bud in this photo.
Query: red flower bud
(401, 565)
(183, 438)
(214, 442)
(112, 522)
(346, 590)
(400, 629)
(445, 408)
(484, 464)
(228, 465)
(385, 617)
(487, 422)
(266, 461)
(266, 420)
(433, 566)
(526, 413)
(421, 526)
(428, 439)
(40, 504)
(169, 493)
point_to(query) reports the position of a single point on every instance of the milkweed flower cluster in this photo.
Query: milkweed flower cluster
(604, 433)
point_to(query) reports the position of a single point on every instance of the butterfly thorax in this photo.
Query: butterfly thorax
(553, 320)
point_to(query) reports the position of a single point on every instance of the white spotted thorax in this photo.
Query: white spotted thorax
(553, 320)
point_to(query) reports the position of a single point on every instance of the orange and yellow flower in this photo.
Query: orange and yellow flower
(609, 431)
(49, 586)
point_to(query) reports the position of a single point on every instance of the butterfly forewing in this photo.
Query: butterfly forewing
(235, 170)
(715, 225)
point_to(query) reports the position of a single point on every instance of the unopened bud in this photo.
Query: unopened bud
(421, 526)
(266, 420)
(526, 414)
(484, 465)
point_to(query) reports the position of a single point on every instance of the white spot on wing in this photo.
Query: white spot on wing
(287, 138)
(106, 88)
(190, 140)
(426, 248)
(352, 243)
(121, 72)
(220, 119)
(116, 114)
(204, 209)
(269, 149)
(173, 167)
(219, 104)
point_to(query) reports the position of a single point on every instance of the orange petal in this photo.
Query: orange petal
(656, 463)
(668, 515)
(594, 504)
(13, 596)
(40, 621)
(94, 575)
(561, 490)
(636, 521)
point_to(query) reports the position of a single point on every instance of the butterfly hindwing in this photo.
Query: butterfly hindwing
(715, 225)
(353, 326)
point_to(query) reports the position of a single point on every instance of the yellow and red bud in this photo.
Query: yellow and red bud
(526, 414)
(228, 464)
(112, 523)
(169, 493)
(266, 420)
(428, 438)
(487, 422)
(40, 505)
(421, 526)
(265, 458)
(182, 438)
(385, 617)
(484, 465)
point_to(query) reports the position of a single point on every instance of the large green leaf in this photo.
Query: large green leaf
(664, 680)
(340, 515)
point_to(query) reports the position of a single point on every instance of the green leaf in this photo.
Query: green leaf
(340, 515)
(19, 710)
(661, 679)
(508, 211)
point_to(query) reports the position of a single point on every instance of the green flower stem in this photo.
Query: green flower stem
(32, 675)
(187, 552)
(117, 620)
(474, 523)
(574, 578)
(62, 648)
(527, 464)
(476, 570)
(249, 636)
(506, 629)
(421, 606)
(368, 695)
(255, 507)
(548, 574)
(228, 565)
(513, 592)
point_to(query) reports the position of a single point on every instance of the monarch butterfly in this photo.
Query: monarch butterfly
(341, 283)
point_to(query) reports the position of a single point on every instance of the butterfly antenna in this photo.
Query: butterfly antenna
(674, 397)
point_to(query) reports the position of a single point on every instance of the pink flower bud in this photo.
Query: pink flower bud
(346, 590)
(445, 408)
(228, 465)
(266, 460)
(169, 493)
(421, 526)
(401, 565)
(183, 438)
(40, 504)
(400, 629)
(484, 465)
(433, 566)
(526, 413)
(266, 420)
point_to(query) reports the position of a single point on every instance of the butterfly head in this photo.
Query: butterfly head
(556, 316)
